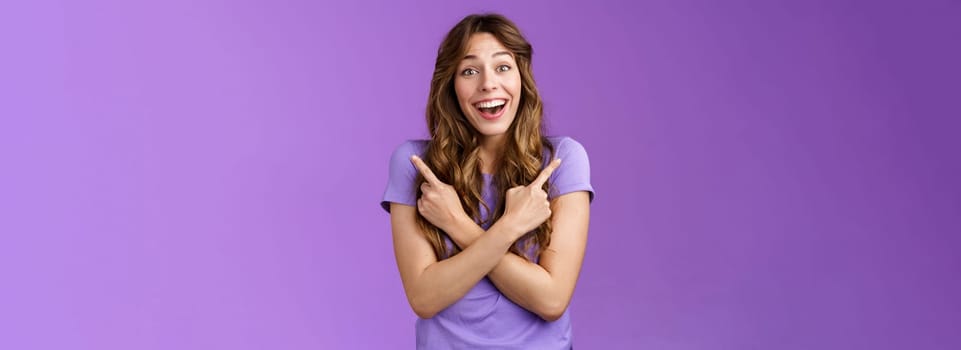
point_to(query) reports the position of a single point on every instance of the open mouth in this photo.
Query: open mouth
(491, 109)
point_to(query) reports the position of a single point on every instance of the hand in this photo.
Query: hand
(526, 207)
(439, 202)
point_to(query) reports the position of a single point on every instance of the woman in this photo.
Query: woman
(489, 225)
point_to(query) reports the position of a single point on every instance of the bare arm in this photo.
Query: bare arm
(545, 288)
(432, 285)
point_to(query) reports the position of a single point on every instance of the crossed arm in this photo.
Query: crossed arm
(544, 288)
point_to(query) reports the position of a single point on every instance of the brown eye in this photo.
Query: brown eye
(503, 68)
(468, 72)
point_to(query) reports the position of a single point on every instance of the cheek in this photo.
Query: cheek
(514, 85)
(462, 90)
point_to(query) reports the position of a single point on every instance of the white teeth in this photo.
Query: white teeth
(490, 104)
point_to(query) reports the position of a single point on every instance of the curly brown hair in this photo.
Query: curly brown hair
(453, 151)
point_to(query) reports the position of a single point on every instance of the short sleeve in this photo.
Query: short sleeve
(401, 176)
(574, 173)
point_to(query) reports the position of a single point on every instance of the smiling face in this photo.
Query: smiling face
(488, 85)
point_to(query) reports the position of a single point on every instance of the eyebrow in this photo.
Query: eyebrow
(498, 53)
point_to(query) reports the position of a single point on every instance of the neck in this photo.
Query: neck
(491, 147)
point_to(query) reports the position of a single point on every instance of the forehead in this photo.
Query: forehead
(483, 45)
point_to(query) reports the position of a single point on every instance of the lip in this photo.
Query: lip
(490, 99)
(492, 116)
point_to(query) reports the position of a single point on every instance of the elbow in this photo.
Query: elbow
(422, 309)
(551, 316)
(425, 314)
(553, 311)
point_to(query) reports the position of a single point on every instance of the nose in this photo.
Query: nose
(488, 82)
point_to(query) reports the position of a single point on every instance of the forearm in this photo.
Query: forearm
(523, 282)
(446, 281)
(529, 285)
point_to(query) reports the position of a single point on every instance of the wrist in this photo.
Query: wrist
(459, 222)
(507, 225)
(461, 230)
(455, 224)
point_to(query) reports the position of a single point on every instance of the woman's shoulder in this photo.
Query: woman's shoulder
(400, 165)
(574, 173)
(409, 147)
(565, 145)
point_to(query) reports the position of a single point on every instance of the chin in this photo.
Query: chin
(488, 129)
(492, 133)
(492, 130)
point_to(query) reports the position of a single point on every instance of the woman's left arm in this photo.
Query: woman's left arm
(545, 288)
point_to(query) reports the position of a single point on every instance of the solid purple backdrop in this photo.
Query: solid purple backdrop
(206, 174)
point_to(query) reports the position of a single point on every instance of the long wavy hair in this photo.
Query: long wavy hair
(453, 150)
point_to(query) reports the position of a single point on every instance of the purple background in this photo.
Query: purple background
(206, 174)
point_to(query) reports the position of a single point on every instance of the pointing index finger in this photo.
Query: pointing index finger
(546, 173)
(424, 169)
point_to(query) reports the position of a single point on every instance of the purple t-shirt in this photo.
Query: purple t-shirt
(484, 317)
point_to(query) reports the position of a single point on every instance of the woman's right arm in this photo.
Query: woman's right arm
(431, 285)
